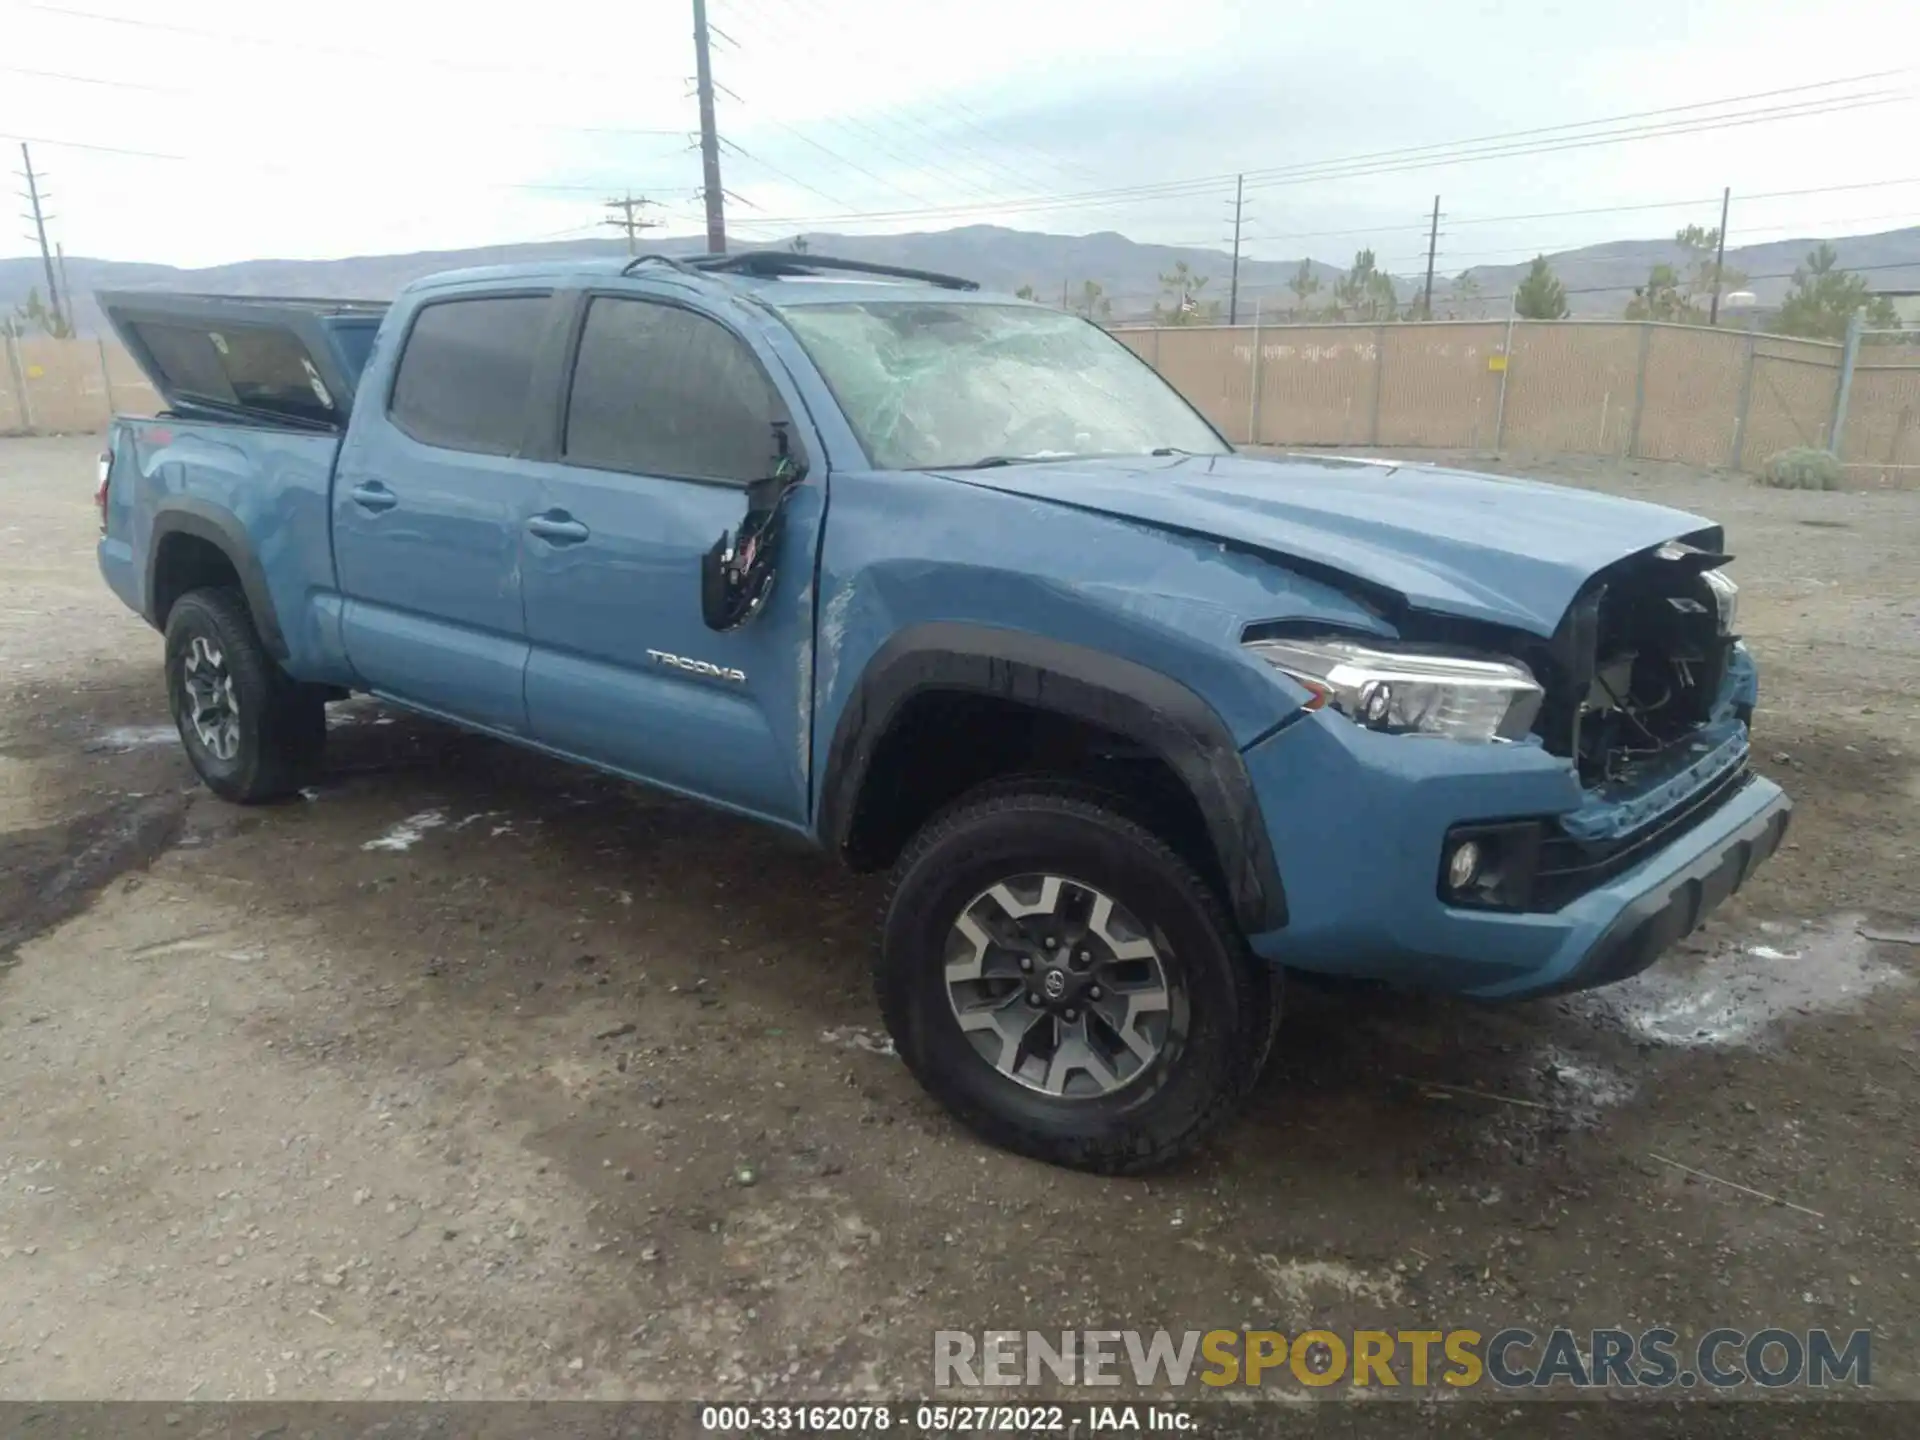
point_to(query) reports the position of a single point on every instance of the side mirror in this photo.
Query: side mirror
(738, 571)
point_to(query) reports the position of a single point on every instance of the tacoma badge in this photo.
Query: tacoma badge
(698, 667)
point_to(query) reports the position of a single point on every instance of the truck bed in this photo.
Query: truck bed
(257, 491)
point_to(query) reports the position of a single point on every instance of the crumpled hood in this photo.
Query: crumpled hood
(1483, 547)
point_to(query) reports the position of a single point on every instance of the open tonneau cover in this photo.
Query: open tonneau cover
(264, 359)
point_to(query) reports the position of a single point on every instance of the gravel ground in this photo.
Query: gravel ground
(472, 1075)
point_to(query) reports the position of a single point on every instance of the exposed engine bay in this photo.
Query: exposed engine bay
(1638, 661)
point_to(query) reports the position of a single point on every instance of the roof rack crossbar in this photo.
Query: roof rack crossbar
(655, 259)
(773, 263)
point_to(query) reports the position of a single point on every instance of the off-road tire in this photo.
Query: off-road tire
(282, 724)
(1232, 998)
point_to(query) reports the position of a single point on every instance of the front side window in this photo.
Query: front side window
(930, 384)
(466, 372)
(658, 390)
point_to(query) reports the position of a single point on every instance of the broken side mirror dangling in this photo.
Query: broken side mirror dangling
(738, 571)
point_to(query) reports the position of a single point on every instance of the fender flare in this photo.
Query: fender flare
(1158, 713)
(222, 530)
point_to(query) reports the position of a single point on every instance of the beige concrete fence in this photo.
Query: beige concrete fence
(1646, 391)
(52, 387)
(1652, 392)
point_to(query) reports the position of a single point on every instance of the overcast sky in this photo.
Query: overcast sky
(372, 126)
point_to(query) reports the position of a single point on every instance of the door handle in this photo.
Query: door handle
(557, 527)
(374, 496)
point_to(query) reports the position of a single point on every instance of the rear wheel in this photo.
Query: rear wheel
(252, 734)
(1067, 985)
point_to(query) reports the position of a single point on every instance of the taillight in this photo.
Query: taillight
(105, 471)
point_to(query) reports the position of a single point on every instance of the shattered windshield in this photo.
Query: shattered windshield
(930, 384)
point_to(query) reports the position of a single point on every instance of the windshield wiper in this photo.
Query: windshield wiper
(1166, 450)
(991, 462)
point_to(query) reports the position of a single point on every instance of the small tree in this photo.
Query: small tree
(1664, 297)
(1824, 295)
(1540, 296)
(1304, 285)
(1465, 294)
(36, 314)
(1184, 306)
(1365, 292)
(1091, 302)
(1701, 247)
(799, 245)
(1684, 295)
(1027, 292)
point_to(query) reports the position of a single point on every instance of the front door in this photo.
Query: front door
(669, 415)
(430, 502)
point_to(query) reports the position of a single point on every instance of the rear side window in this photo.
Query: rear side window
(663, 391)
(465, 373)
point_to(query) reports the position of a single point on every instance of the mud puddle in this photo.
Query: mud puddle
(1737, 996)
(48, 873)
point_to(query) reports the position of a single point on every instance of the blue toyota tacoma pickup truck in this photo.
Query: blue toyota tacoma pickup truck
(956, 585)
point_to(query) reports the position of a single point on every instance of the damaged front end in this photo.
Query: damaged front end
(1649, 693)
(1641, 663)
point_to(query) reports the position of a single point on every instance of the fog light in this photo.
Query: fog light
(1463, 865)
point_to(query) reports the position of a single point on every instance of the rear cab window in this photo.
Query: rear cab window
(661, 390)
(466, 372)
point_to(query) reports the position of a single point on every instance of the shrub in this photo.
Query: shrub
(1801, 468)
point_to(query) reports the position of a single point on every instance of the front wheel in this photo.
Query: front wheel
(1067, 985)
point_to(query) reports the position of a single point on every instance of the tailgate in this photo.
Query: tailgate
(293, 362)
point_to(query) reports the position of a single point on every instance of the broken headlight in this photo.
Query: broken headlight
(1409, 692)
(1726, 598)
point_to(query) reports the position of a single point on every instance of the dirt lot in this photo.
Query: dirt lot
(472, 1075)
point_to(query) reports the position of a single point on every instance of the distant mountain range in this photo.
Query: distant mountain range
(1599, 278)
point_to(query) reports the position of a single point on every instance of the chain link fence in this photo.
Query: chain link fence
(52, 387)
(1604, 387)
(1638, 390)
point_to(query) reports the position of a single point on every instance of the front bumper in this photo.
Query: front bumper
(1358, 822)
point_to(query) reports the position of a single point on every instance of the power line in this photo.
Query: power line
(91, 80)
(934, 143)
(769, 166)
(1745, 199)
(414, 58)
(229, 163)
(840, 159)
(1795, 229)
(963, 114)
(1422, 157)
(506, 121)
(885, 144)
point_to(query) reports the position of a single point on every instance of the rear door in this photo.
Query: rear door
(668, 415)
(429, 504)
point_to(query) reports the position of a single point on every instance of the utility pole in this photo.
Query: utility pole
(709, 136)
(33, 197)
(628, 219)
(1433, 240)
(1233, 285)
(60, 263)
(1719, 256)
